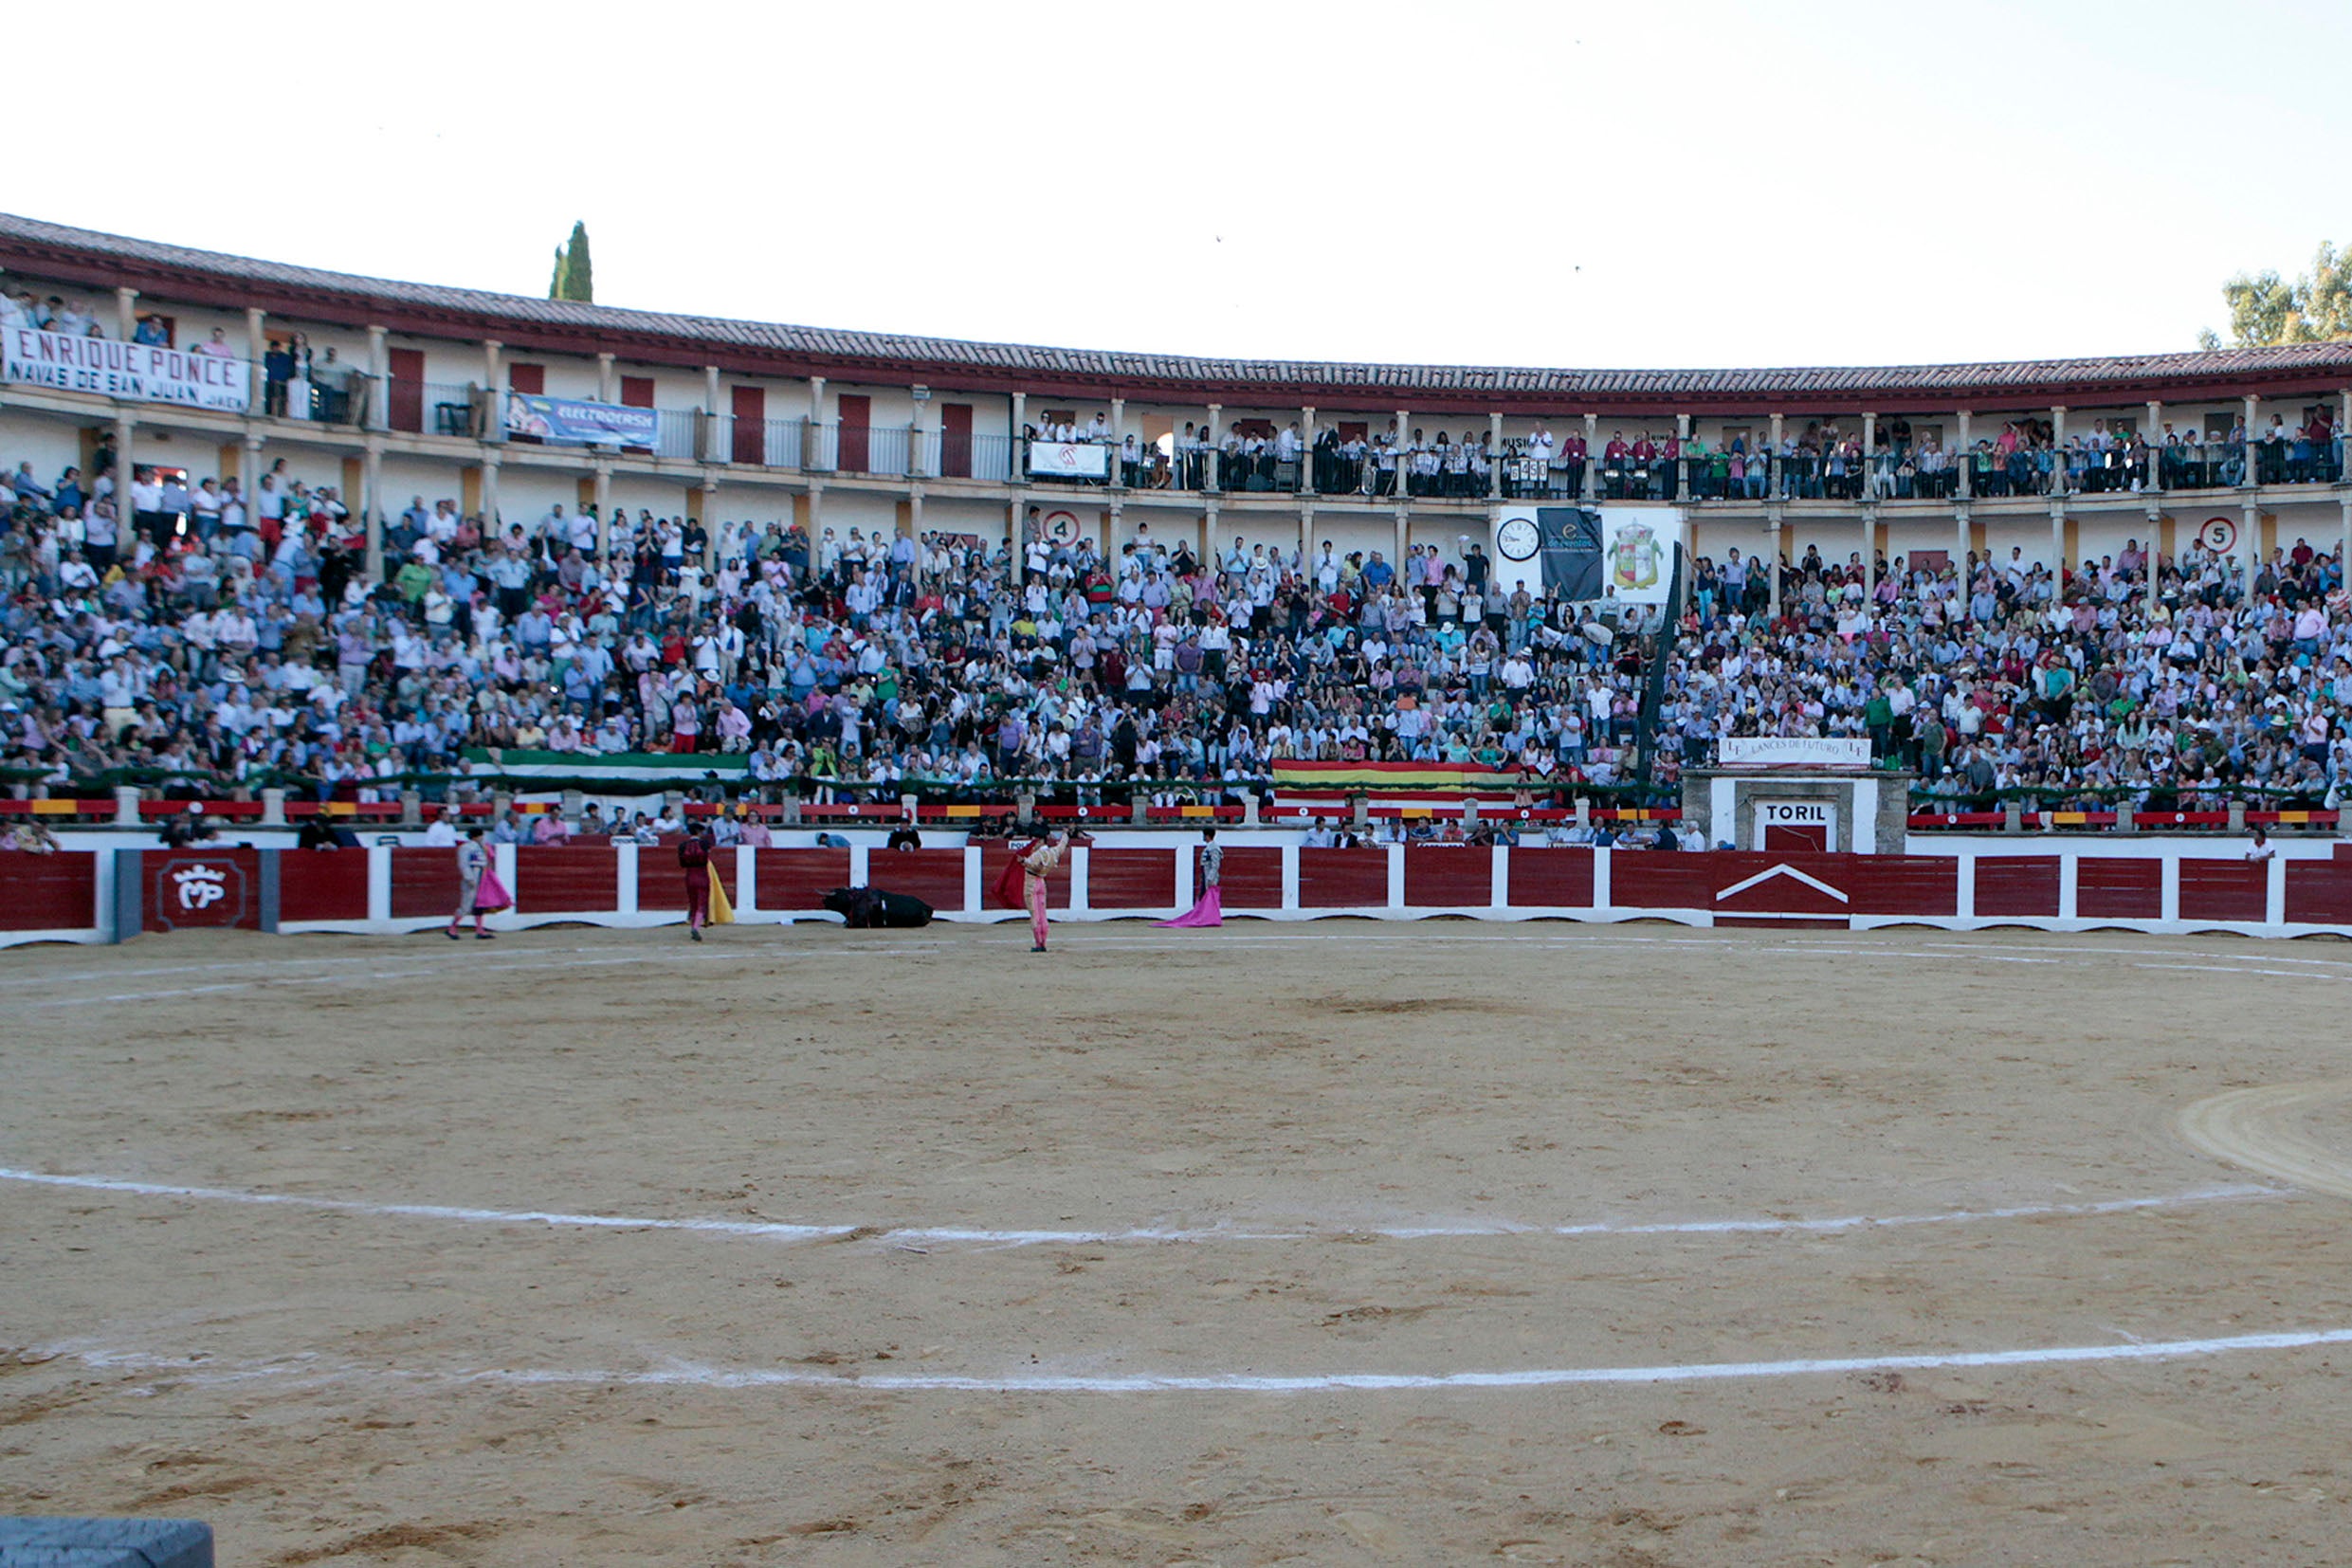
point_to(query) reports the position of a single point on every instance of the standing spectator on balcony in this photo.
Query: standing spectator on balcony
(277, 369)
(151, 333)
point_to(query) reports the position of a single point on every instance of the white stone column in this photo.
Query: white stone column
(1306, 448)
(2058, 441)
(489, 491)
(2249, 544)
(2254, 412)
(2057, 542)
(825, 460)
(716, 448)
(2156, 560)
(1869, 455)
(1211, 473)
(1967, 484)
(606, 379)
(1494, 454)
(602, 493)
(1016, 468)
(379, 380)
(371, 505)
(126, 429)
(126, 311)
(1772, 553)
(1590, 487)
(256, 349)
(1404, 542)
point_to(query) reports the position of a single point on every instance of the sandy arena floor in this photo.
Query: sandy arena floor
(1318, 1244)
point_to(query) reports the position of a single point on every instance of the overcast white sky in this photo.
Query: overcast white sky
(1556, 184)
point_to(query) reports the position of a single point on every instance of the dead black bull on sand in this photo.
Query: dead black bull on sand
(867, 908)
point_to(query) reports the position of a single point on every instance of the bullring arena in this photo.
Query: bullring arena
(1329, 1242)
(1779, 992)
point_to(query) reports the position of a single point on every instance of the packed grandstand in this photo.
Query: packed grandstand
(310, 582)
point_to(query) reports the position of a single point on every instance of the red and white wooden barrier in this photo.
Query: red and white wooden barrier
(2151, 884)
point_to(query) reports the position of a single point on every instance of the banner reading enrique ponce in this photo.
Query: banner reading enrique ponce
(140, 372)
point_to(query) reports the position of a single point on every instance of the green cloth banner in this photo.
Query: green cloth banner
(682, 769)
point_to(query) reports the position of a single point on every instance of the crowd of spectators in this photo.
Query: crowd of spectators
(219, 635)
(1819, 461)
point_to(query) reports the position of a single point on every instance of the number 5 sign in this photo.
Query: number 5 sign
(2220, 535)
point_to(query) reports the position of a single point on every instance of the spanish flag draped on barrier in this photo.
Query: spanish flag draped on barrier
(1292, 774)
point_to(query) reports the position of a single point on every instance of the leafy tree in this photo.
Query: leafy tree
(573, 278)
(2266, 308)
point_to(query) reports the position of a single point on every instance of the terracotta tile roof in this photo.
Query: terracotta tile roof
(760, 347)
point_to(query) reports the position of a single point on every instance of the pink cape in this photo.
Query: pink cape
(1209, 911)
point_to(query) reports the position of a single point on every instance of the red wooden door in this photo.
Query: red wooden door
(955, 441)
(751, 425)
(407, 410)
(637, 392)
(857, 417)
(1779, 838)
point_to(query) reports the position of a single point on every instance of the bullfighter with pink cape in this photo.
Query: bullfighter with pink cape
(1209, 910)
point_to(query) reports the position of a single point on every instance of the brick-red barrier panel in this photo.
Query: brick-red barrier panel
(322, 885)
(2115, 888)
(1761, 883)
(1457, 876)
(799, 879)
(202, 888)
(1551, 879)
(661, 882)
(935, 876)
(2017, 884)
(424, 883)
(2319, 892)
(48, 892)
(1134, 878)
(1892, 884)
(567, 880)
(2224, 889)
(1342, 878)
(1666, 878)
(1253, 878)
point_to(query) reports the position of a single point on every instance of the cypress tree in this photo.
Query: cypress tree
(574, 278)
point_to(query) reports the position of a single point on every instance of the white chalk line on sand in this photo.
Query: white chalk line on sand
(203, 1369)
(2259, 1128)
(270, 973)
(968, 1235)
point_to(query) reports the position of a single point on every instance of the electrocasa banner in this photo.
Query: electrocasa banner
(566, 422)
(136, 373)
